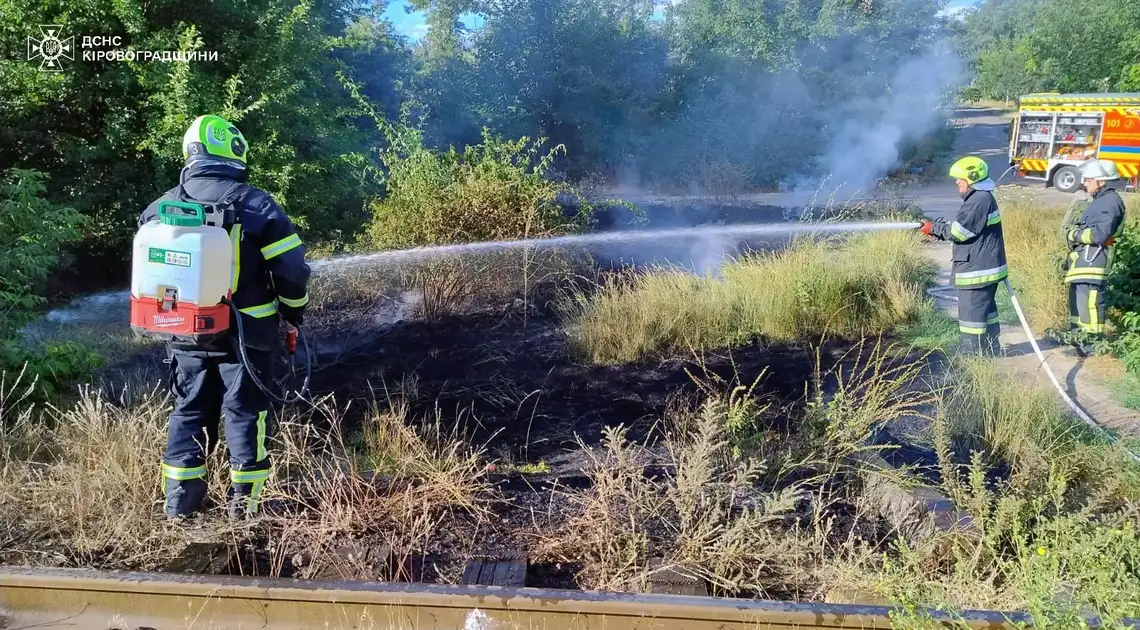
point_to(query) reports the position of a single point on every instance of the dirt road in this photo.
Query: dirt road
(983, 133)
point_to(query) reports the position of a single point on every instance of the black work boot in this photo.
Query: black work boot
(970, 345)
(1086, 349)
(184, 497)
(240, 502)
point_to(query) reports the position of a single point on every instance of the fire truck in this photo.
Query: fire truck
(1052, 134)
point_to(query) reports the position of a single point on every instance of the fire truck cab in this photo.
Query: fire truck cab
(1052, 134)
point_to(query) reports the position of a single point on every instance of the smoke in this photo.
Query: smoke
(824, 129)
(868, 142)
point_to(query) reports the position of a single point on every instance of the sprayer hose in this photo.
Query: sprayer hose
(244, 356)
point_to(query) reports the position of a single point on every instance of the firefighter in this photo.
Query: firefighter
(1090, 253)
(269, 285)
(979, 256)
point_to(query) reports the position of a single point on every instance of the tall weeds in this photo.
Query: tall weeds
(1054, 509)
(863, 287)
(1035, 251)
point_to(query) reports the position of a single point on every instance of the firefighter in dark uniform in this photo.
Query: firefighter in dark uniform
(979, 256)
(1090, 244)
(269, 287)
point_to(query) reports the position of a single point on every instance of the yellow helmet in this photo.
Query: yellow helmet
(972, 169)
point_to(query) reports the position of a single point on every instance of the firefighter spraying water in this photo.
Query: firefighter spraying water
(218, 269)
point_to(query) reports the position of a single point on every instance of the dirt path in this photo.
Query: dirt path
(983, 133)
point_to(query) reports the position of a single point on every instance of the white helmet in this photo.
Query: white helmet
(1103, 170)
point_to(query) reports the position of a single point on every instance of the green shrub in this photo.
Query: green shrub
(495, 190)
(33, 231)
(40, 373)
(1124, 297)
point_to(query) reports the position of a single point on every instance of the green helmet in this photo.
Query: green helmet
(214, 136)
(972, 169)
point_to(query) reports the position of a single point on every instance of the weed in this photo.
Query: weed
(931, 329)
(1035, 252)
(865, 286)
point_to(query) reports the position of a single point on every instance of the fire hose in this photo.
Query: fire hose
(291, 338)
(1076, 408)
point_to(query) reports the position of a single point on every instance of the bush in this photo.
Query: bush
(1124, 295)
(32, 233)
(494, 190)
(869, 284)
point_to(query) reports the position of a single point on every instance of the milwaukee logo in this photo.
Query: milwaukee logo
(164, 321)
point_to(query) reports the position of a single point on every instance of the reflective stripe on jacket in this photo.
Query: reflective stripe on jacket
(979, 246)
(1092, 237)
(269, 270)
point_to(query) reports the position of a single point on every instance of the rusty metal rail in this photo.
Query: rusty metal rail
(81, 599)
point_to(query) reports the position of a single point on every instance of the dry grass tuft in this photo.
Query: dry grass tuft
(865, 286)
(1035, 251)
(82, 486)
(704, 518)
(88, 477)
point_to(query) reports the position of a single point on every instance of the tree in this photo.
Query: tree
(1003, 73)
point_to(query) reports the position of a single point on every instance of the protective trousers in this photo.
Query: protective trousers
(978, 320)
(207, 388)
(1086, 308)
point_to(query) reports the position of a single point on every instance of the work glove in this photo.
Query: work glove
(292, 320)
(926, 227)
(1073, 237)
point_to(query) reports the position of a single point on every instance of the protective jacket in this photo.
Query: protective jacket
(270, 275)
(1092, 238)
(979, 245)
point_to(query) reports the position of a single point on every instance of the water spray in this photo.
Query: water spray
(739, 230)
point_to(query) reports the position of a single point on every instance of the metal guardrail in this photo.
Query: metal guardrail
(81, 599)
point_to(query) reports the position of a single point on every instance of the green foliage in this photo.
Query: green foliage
(41, 373)
(494, 190)
(699, 101)
(33, 232)
(1124, 298)
(1051, 511)
(109, 132)
(1019, 46)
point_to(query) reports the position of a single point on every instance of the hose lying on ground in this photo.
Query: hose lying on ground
(1077, 409)
(288, 400)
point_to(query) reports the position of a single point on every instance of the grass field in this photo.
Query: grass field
(641, 422)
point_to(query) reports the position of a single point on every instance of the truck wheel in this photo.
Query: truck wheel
(1067, 179)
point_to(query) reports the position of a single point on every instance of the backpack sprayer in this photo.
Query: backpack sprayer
(181, 285)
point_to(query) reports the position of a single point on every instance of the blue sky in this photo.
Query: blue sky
(413, 27)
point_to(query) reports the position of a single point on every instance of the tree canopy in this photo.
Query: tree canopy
(690, 95)
(1019, 46)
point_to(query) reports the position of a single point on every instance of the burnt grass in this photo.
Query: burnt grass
(507, 377)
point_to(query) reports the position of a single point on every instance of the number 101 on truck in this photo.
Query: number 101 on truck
(1052, 134)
